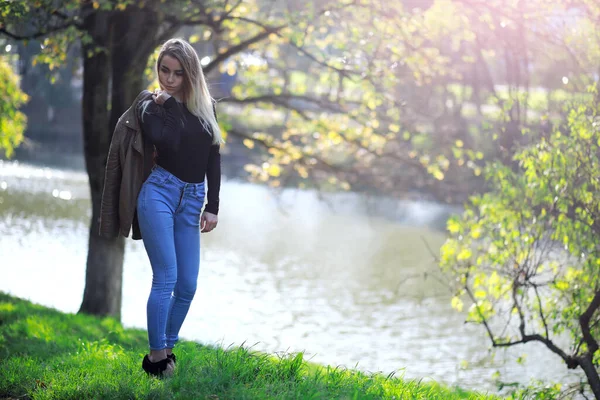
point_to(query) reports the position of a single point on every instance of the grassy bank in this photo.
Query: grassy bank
(45, 354)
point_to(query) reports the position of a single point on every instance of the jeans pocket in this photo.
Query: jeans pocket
(157, 179)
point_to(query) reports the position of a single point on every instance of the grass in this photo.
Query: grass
(46, 354)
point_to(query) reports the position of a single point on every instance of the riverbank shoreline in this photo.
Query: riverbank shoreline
(46, 354)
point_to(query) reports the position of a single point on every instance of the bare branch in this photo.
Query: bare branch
(39, 34)
(278, 100)
(484, 321)
(517, 305)
(572, 362)
(233, 8)
(241, 46)
(584, 322)
(347, 74)
(537, 294)
(284, 100)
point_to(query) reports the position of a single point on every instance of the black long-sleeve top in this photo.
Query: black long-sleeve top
(184, 146)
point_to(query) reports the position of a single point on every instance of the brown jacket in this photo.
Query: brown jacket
(129, 163)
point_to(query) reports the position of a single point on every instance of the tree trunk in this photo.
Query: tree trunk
(128, 47)
(591, 373)
(102, 294)
(133, 45)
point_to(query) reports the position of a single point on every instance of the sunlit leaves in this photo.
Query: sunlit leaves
(527, 250)
(350, 81)
(15, 9)
(457, 304)
(249, 143)
(12, 121)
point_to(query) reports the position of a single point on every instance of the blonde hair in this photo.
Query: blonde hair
(195, 92)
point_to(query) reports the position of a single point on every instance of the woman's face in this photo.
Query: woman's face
(170, 75)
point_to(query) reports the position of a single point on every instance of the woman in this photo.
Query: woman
(181, 123)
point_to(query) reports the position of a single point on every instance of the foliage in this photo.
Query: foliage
(525, 255)
(12, 121)
(45, 354)
(366, 95)
(542, 392)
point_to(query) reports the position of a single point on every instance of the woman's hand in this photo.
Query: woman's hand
(160, 96)
(208, 221)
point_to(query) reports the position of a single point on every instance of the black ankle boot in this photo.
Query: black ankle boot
(172, 357)
(155, 368)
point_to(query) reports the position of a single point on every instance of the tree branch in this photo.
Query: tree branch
(584, 322)
(40, 34)
(266, 99)
(347, 74)
(283, 100)
(537, 294)
(572, 362)
(274, 145)
(241, 46)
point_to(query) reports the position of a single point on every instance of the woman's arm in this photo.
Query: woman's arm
(213, 176)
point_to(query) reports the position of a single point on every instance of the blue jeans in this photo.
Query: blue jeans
(169, 217)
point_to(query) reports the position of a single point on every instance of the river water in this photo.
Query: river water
(347, 279)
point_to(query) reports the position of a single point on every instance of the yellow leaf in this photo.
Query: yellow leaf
(302, 171)
(459, 143)
(494, 279)
(464, 254)
(480, 294)
(249, 143)
(453, 226)
(194, 38)
(274, 170)
(336, 138)
(371, 104)
(96, 5)
(394, 128)
(457, 304)
(231, 69)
